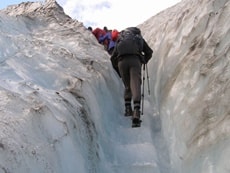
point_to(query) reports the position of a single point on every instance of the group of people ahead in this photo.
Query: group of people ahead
(129, 51)
(106, 37)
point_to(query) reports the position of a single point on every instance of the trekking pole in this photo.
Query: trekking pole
(143, 89)
(148, 78)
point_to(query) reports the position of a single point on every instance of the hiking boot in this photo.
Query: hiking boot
(136, 122)
(128, 111)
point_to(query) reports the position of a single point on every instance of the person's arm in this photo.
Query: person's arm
(147, 52)
(114, 60)
(103, 38)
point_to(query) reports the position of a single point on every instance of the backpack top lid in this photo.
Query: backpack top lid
(115, 34)
(130, 42)
(134, 30)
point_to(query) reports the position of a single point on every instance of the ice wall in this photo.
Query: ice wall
(50, 66)
(191, 83)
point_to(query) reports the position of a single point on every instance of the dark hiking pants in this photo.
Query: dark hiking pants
(130, 70)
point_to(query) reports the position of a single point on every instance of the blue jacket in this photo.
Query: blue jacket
(108, 36)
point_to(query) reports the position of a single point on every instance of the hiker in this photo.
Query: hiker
(115, 35)
(110, 37)
(105, 29)
(90, 28)
(127, 59)
(98, 32)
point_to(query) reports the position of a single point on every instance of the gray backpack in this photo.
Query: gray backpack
(130, 42)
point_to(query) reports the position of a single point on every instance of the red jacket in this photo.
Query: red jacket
(98, 33)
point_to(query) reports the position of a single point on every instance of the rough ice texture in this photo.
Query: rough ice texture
(191, 83)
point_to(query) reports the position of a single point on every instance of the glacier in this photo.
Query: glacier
(61, 102)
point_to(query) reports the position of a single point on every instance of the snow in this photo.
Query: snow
(61, 104)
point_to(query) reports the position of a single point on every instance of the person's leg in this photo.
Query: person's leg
(135, 85)
(125, 76)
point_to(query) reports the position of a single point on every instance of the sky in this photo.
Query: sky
(115, 14)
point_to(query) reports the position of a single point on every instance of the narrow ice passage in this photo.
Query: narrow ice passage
(126, 149)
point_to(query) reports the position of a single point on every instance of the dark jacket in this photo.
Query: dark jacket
(145, 55)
